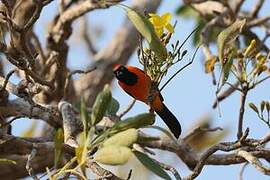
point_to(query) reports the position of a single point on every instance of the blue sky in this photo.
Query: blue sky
(190, 95)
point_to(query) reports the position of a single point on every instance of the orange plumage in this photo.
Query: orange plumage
(137, 84)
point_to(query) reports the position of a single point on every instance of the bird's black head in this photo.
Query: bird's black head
(124, 75)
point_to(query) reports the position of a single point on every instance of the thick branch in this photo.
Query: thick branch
(18, 149)
(19, 107)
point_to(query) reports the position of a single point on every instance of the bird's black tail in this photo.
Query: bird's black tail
(170, 120)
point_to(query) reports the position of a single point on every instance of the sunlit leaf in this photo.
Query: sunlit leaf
(226, 69)
(78, 153)
(251, 49)
(210, 64)
(113, 155)
(7, 161)
(49, 174)
(138, 121)
(124, 138)
(146, 29)
(81, 153)
(151, 165)
(55, 176)
(101, 104)
(58, 141)
(243, 75)
(143, 139)
(227, 37)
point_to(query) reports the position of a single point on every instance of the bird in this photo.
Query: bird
(137, 84)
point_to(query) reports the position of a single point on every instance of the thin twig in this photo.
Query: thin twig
(256, 8)
(242, 110)
(128, 108)
(222, 147)
(101, 172)
(241, 173)
(257, 22)
(259, 82)
(184, 42)
(225, 94)
(38, 47)
(239, 3)
(169, 168)
(28, 166)
(68, 78)
(86, 37)
(188, 64)
(3, 87)
(254, 161)
(11, 120)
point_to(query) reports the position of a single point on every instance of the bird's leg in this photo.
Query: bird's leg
(153, 92)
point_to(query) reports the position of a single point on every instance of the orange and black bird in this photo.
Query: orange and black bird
(137, 84)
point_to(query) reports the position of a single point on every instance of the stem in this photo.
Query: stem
(189, 63)
(242, 110)
(128, 108)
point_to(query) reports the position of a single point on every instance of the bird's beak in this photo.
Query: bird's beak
(115, 67)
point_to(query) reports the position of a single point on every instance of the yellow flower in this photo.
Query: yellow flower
(161, 22)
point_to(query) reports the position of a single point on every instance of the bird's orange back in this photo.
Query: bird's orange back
(140, 89)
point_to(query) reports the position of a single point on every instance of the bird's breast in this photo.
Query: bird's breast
(139, 91)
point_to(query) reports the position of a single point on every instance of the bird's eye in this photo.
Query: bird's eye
(122, 68)
(120, 73)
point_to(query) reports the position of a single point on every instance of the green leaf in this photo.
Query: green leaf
(138, 121)
(85, 117)
(81, 153)
(7, 161)
(143, 139)
(113, 107)
(124, 138)
(58, 142)
(146, 29)
(151, 165)
(113, 155)
(226, 70)
(101, 104)
(213, 33)
(251, 49)
(228, 36)
(200, 24)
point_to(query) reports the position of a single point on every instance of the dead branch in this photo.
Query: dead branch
(70, 123)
